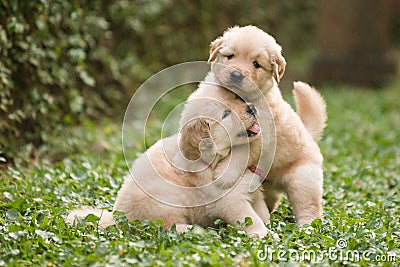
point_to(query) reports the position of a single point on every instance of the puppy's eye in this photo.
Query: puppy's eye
(230, 56)
(256, 64)
(226, 113)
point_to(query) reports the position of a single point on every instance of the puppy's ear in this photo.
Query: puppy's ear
(278, 64)
(215, 46)
(192, 133)
(196, 130)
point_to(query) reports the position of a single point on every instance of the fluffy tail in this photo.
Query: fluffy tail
(106, 217)
(311, 108)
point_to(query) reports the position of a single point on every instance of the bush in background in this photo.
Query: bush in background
(55, 68)
(63, 61)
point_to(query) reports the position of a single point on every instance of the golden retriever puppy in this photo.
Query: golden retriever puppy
(249, 62)
(173, 179)
(230, 203)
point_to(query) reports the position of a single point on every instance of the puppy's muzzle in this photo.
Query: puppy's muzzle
(251, 109)
(236, 76)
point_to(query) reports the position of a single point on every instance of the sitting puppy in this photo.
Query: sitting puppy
(172, 181)
(248, 61)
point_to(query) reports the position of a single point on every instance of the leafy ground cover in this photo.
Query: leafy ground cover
(361, 226)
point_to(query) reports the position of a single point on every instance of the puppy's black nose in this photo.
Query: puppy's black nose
(236, 76)
(251, 109)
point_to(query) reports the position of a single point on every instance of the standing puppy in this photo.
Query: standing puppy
(249, 61)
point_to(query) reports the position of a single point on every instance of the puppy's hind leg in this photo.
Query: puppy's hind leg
(304, 191)
(106, 217)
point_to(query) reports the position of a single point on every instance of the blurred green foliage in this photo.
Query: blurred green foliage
(62, 61)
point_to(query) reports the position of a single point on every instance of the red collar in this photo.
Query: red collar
(259, 172)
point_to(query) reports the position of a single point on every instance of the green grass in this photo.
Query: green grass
(362, 180)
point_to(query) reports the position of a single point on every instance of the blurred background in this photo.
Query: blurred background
(63, 62)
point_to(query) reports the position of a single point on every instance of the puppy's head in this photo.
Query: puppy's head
(206, 137)
(245, 59)
(238, 125)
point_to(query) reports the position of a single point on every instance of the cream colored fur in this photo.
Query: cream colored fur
(149, 195)
(310, 108)
(297, 164)
(296, 167)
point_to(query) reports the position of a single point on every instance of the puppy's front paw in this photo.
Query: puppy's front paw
(306, 220)
(183, 228)
(256, 233)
